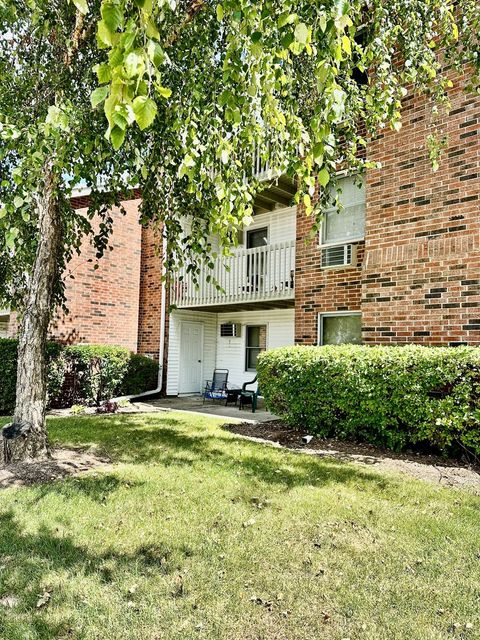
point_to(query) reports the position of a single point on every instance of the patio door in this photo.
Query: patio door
(191, 356)
(256, 239)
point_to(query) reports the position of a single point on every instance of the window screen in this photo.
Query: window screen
(341, 329)
(347, 224)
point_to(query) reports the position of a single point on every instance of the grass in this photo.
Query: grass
(195, 533)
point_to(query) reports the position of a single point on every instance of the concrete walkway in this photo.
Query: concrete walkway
(218, 409)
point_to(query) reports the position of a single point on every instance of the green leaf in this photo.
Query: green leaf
(134, 65)
(301, 33)
(323, 177)
(3, 212)
(112, 16)
(82, 6)
(220, 12)
(17, 202)
(117, 136)
(103, 73)
(165, 92)
(99, 95)
(104, 35)
(145, 111)
(286, 18)
(155, 53)
(346, 45)
(152, 31)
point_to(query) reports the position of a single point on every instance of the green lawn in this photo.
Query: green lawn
(198, 534)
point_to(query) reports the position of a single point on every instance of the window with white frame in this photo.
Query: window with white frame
(255, 343)
(344, 226)
(4, 320)
(340, 328)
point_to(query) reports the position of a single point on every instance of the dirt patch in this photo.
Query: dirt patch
(431, 468)
(63, 463)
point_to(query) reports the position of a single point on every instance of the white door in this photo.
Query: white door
(191, 355)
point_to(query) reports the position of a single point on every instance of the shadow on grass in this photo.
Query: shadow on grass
(27, 559)
(95, 487)
(153, 439)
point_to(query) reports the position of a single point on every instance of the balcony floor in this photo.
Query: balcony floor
(257, 305)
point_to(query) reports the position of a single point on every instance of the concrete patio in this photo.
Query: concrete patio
(195, 404)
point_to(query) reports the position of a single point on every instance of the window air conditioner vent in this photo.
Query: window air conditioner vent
(341, 256)
(230, 330)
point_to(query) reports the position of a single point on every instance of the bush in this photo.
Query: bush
(81, 374)
(141, 375)
(396, 396)
(8, 372)
(97, 371)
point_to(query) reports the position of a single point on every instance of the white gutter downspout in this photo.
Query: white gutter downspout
(161, 348)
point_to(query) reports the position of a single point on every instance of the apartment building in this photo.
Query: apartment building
(399, 264)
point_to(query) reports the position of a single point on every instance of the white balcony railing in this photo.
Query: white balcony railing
(248, 275)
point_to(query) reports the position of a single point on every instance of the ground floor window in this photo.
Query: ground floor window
(340, 328)
(255, 343)
(3, 327)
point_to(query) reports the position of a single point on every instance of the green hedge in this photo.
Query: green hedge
(8, 372)
(83, 374)
(97, 370)
(141, 375)
(395, 396)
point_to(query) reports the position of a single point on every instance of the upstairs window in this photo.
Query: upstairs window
(342, 227)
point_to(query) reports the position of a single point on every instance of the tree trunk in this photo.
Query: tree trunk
(31, 392)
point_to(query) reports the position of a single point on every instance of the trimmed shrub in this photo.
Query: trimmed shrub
(80, 374)
(141, 375)
(8, 372)
(97, 371)
(395, 396)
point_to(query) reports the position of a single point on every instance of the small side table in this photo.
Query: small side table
(232, 396)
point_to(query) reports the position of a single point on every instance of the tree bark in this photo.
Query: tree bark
(31, 391)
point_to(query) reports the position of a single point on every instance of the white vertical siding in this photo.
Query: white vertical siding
(227, 353)
(209, 321)
(231, 351)
(281, 225)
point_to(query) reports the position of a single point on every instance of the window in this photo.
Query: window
(256, 341)
(4, 319)
(340, 328)
(344, 226)
(257, 238)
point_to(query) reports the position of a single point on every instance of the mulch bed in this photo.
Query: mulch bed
(432, 468)
(63, 463)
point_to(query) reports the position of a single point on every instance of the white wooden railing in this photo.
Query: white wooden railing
(248, 275)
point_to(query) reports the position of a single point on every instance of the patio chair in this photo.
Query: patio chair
(249, 397)
(216, 388)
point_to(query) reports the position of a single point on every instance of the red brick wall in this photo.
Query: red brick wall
(320, 290)
(150, 293)
(104, 303)
(421, 276)
(418, 278)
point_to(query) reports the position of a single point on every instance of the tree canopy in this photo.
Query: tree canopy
(177, 96)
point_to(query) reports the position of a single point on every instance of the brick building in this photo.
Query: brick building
(400, 264)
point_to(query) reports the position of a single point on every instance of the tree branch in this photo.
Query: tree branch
(77, 36)
(195, 8)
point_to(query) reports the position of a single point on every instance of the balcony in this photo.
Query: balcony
(260, 278)
(279, 192)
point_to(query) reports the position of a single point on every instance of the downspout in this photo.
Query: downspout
(161, 347)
